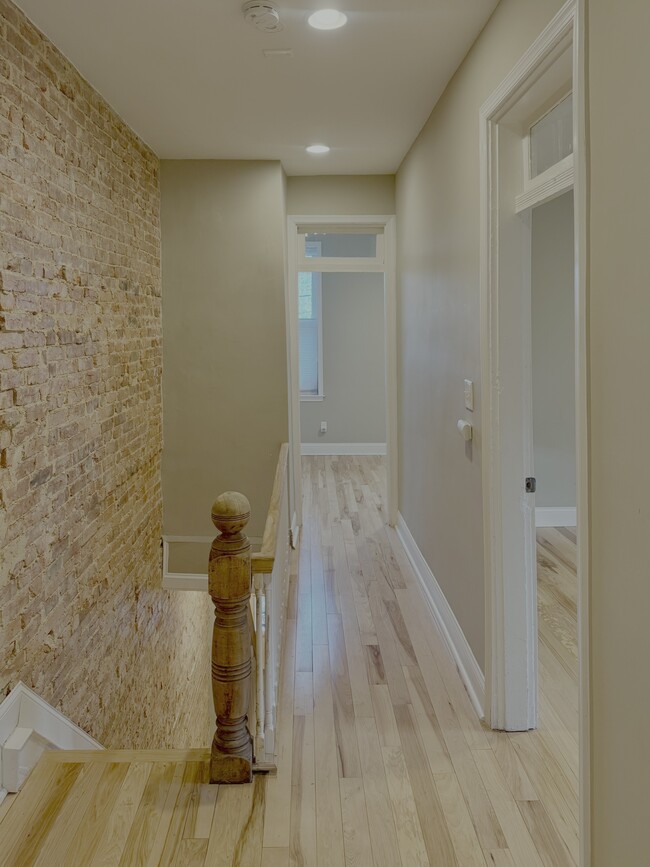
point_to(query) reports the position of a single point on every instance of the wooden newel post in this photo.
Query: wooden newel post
(229, 580)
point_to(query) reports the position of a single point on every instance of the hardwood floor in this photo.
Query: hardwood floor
(381, 759)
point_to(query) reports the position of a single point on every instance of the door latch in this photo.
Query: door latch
(531, 485)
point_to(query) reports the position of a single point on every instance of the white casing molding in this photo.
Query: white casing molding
(506, 362)
(548, 188)
(28, 726)
(445, 619)
(555, 516)
(343, 448)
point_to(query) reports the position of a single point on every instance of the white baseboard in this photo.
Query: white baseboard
(559, 516)
(343, 448)
(190, 581)
(185, 581)
(468, 668)
(29, 725)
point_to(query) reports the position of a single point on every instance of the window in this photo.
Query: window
(341, 245)
(551, 138)
(310, 329)
(340, 248)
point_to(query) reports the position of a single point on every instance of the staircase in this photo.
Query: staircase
(131, 808)
(82, 805)
(28, 727)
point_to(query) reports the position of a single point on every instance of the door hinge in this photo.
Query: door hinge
(531, 485)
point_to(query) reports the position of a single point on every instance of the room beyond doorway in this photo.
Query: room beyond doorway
(337, 264)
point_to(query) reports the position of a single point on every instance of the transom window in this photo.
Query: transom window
(310, 328)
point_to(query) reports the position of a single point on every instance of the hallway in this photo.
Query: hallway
(389, 763)
(381, 761)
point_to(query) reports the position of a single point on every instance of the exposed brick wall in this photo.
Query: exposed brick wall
(81, 617)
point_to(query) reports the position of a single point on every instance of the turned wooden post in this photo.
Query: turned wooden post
(229, 581)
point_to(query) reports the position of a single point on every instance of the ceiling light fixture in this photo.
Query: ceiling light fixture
(327, 19)
(317, 149)
(263, 15)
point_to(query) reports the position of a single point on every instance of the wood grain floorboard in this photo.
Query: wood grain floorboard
(382, 761)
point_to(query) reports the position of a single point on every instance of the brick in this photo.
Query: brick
(10, 340)
(82, 615)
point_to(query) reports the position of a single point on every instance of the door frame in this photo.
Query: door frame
(510, 609)
(387, 223)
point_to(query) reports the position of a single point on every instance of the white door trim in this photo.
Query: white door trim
(510, 613)
(387, 222)
(581, 223)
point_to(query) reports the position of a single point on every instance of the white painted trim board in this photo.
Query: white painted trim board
(445, 619)
(509, 520)
(24, 708)
(188, 580)
(343, 448)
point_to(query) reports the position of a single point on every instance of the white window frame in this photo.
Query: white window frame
(350, 264)
(555, 180)
(317, 300)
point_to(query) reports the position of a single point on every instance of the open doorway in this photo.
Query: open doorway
(543, 98)
(554, 447)
(342, 342)
(342, 351)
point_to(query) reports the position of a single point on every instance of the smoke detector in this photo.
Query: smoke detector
(262, 15)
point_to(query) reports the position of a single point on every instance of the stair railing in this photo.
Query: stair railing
(240, 652)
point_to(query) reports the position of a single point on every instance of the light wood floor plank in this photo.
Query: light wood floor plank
(232, 808)
(113, 841)
(343, 705)
(83, 845)
(381, 759)
(434, 827)
(356, 834)
(248, 849)
(409, 833)
(328, 755)
(383, 836)
(302, 849)
(275, 856)
(461, 829)
(22, 842)
(551, 847)
(70, 816)
(143, 831)
(520, 843)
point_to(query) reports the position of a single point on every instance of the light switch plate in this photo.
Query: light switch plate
(469, 395)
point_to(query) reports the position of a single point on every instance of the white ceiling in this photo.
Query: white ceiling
(190, 78)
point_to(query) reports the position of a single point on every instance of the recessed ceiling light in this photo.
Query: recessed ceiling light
(317, 149)
(327, 19)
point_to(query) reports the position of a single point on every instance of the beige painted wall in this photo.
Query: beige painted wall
(440, 494)
(225, 357)
(341, 194)
(619, 418)
(553, 300)
(354, 363)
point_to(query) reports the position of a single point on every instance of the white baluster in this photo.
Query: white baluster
(269, 721)
(260, 629)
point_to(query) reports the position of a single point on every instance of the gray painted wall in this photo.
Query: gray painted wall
(224, 358)
(553, 298)
(438, 208)
(618, 71)
(341, 194)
